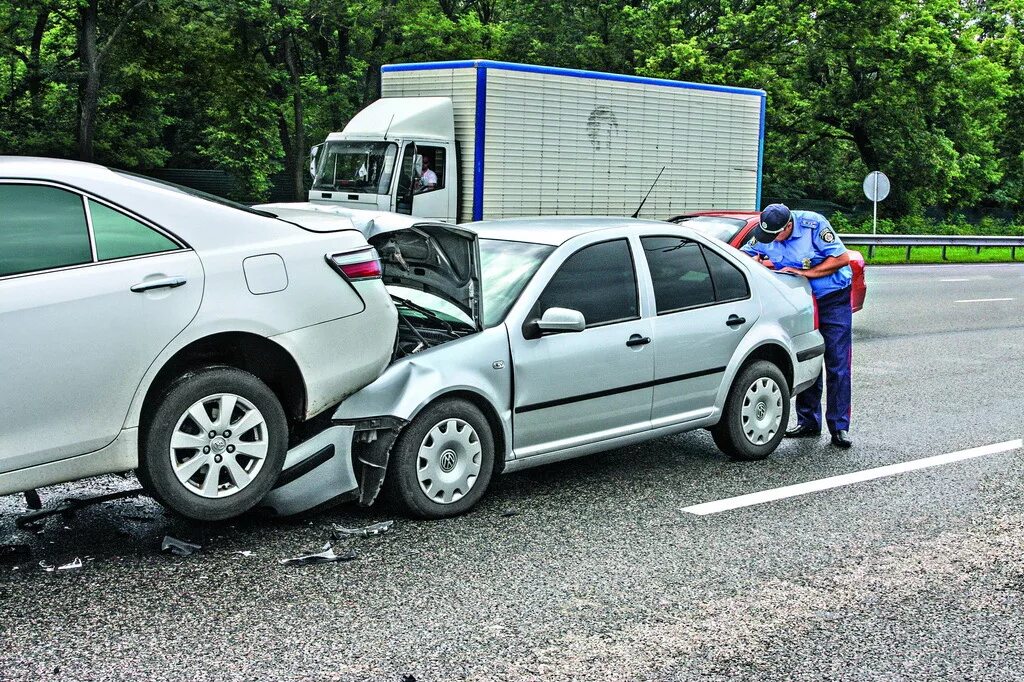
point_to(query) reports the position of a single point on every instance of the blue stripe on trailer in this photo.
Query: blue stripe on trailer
(576, 73)
(478, 143)
(760, 155)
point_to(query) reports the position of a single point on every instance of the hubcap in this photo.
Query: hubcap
(761, 415)
(219, 445)
(448, 461)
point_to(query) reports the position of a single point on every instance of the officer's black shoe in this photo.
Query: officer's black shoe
(803, 432)
(841, 439)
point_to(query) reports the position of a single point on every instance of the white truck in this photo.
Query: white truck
(469, 140)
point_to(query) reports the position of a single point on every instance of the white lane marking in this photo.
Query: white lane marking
(957, 279)
(848, 479)
(983, 300)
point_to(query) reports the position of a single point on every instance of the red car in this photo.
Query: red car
(735, 227)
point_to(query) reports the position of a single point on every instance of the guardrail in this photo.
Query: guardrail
(940, 240)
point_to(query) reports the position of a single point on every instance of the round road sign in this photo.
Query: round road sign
(876, 186)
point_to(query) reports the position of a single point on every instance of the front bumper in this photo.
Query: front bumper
(317, 473)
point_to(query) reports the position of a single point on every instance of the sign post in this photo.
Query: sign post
(876, 188)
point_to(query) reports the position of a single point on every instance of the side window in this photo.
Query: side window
(118, 236)
(430, 169)
(599, 281)
(41, 228)
(730, 284)
(679, 273)
(403, 202)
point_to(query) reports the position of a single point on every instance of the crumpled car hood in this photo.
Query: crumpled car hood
(440, 259)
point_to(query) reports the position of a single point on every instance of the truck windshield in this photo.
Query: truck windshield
(352, 166)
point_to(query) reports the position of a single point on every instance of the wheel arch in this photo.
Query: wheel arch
(252, 353)
(775, 353)
(478, 400)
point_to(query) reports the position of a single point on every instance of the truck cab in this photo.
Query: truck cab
(398, 155)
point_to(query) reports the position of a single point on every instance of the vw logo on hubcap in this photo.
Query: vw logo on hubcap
(761, 410)
(448, 460)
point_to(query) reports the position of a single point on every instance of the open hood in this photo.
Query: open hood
(440, 259)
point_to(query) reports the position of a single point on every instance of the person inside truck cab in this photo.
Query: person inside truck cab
(428, 178)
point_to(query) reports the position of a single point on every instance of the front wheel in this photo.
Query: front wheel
(215, 444)
(756, 413)
(441, 464)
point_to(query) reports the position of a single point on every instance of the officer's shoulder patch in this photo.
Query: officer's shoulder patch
(827, 236)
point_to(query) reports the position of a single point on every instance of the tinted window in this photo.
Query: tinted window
(598, 281)
(730, 284)
(41, 228)
(679, 273)
(118, 236)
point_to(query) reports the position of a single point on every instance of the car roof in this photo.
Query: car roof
(41, 168)
(720, 213)
(551, 230)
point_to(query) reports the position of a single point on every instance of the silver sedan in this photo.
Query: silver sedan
(145, 327)
(573, 336)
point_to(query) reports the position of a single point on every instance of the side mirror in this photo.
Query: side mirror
(314, 153)
(561, 320)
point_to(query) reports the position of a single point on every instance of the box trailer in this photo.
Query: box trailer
(473, 140)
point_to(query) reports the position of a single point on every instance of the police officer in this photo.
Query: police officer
(803, 243)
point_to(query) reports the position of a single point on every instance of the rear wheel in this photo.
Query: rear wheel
(441, 464)
(756, 413)
(215, 444)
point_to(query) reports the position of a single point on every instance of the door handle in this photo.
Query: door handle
(735, 320)
(637, 340)
(163, 283)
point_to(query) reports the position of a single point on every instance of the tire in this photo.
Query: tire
(760, 388)
(209, 478)
(442, 462)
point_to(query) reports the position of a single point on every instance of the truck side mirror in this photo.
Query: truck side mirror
(314, 153)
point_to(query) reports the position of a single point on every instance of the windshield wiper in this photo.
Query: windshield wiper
(428, 313)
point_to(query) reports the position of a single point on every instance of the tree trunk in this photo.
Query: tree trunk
(299, 143)
(89, 84)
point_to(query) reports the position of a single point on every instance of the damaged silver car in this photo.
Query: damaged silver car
(528, 341)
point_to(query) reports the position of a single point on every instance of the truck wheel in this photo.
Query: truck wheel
(215, 444)
(441, 464)
(756, 413)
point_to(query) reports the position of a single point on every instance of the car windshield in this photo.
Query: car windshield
(506, 268)
(352, 166)
(716, 227)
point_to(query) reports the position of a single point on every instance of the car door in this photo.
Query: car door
(89, 296)
(704, 308)
(573, 388)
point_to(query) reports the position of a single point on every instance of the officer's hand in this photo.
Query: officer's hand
(763, 260)
(794, 271)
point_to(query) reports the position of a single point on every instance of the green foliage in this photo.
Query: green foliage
(929, 91)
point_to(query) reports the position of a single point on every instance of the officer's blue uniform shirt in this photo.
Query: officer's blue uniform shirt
(813, 240)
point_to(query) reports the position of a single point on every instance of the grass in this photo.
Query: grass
(886, 255)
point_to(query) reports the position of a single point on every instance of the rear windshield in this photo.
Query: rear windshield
(716, 227)
(194, 192)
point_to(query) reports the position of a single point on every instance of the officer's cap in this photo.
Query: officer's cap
(774, 219)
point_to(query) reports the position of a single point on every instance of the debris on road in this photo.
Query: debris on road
(70, 566)
(325, 556)
(178, 547)
(364, 532)
(31, 521)
(32, 499)
(509, 512)
(244, 552)
(12, 554)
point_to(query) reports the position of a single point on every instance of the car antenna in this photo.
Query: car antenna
(388, 129)
(637, 212)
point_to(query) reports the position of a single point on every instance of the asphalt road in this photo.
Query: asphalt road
(590, 569)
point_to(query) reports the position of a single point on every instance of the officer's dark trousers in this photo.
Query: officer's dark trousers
(835, 322)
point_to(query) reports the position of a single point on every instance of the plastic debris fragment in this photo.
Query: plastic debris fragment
(364, 532)
(244, 552)
(178, 547)
(70, 566)
(325, 556)
(31, 520)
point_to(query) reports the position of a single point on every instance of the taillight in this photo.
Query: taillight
(357, 266)
(815, 302)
